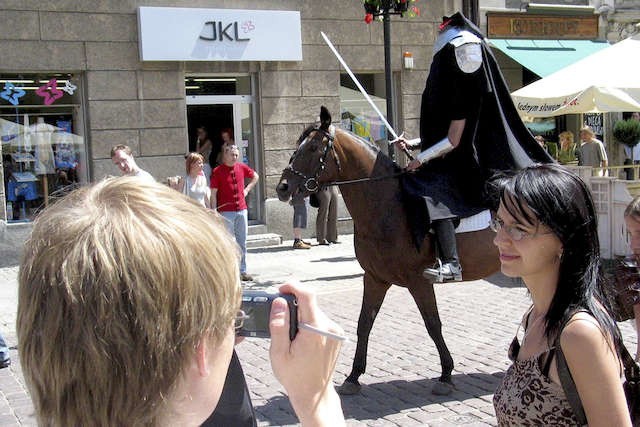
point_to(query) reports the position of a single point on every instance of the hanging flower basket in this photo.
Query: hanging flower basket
(376, 8)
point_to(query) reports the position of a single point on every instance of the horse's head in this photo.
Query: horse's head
(313, 164)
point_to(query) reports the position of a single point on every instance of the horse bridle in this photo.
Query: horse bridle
(311, 183)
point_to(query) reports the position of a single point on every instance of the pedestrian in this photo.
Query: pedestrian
(228, 196)
(300, 210)
(204, 146)
(547, 234)
(632, 221)
(194, 184)
(128, 297)
(5, 360)
(122, 156)
(567, 153)
(327, 219)
(592, 152)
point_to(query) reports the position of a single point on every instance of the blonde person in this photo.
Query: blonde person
(591, 152)
(567, 152)
(547, 234)
(194, 184)
(128, 295)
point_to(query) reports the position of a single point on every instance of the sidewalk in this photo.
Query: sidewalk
(479, 320)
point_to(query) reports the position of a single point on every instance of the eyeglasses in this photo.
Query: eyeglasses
(516, 234)
(241, 316)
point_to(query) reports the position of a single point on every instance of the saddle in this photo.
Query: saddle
(419, 218)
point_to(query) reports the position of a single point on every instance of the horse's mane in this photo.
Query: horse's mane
(373, 149)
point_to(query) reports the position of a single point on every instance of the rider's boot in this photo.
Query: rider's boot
(447, 267)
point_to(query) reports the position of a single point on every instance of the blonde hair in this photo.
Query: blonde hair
(119, 283)
(191, 159)
(568, 135)
(231, 147)
(588, 130)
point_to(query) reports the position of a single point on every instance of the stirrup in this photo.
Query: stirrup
(441, 273)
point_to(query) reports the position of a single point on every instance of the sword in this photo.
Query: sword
(364, 92)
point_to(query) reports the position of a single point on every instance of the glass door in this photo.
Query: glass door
(227, 114)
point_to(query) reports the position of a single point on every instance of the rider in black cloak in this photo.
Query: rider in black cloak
(469, 130)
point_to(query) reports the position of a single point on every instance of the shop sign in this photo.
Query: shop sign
(189, 34)
(530, 26)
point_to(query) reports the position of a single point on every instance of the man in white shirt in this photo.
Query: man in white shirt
(122, 157)
(592, 152)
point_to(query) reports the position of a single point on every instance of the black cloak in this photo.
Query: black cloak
(494, 139)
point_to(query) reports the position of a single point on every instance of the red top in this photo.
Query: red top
(229, 181)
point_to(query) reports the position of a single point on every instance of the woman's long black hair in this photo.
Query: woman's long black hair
(554, 196)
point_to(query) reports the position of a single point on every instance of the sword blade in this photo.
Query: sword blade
(357, 83)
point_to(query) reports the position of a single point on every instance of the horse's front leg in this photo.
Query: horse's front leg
(374, 293)
(425, 298)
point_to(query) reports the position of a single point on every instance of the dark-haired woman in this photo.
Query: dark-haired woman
(204, 147)
(546, 233)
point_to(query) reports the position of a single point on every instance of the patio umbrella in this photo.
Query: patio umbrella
(606, 81)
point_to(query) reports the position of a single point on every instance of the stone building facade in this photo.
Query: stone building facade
(94, 45)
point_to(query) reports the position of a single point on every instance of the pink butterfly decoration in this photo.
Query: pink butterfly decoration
(50, 92)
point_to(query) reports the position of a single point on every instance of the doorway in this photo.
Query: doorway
(228, 112)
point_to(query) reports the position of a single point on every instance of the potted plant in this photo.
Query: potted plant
(627, 132)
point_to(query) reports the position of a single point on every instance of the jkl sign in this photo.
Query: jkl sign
(217, 30)
(520, 25)
(189, 34)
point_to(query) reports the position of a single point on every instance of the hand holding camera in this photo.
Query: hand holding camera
(305, 365)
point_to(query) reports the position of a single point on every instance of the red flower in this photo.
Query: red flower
(416, 10)
(368, 18)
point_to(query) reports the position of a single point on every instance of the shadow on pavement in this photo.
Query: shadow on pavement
(270, 249)
(335, 259)
(378, 400)
(503, 281)
(333, 278)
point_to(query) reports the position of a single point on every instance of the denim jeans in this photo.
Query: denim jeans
(4, 350)
(238, 225)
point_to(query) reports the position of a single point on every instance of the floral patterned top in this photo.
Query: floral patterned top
(527, 397)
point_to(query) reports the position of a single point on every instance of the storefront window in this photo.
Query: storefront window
(43, 154)
(356, 113)
(223, 85)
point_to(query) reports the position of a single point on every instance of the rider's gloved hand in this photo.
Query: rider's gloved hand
(413, 165)
(401, 142)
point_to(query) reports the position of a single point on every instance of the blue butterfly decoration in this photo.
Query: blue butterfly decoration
(12, 93)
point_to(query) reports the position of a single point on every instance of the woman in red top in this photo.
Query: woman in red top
(228, 193)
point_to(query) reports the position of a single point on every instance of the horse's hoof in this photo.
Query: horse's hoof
(348, 388)
(442, 388)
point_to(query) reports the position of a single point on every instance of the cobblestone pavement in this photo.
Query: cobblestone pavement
(479, 320)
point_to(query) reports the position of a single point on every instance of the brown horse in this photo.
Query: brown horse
(383, 242)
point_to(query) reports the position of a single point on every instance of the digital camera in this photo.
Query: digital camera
(256, 305)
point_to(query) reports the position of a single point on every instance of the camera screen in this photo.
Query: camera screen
(258, 316)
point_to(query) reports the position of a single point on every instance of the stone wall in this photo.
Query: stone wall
(143, 104)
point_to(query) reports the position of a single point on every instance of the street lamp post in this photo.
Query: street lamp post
(388, 74)
(384, 9)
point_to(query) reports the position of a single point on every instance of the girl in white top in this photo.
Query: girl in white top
(194, 184)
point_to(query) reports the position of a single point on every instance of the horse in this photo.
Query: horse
(370, 185)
